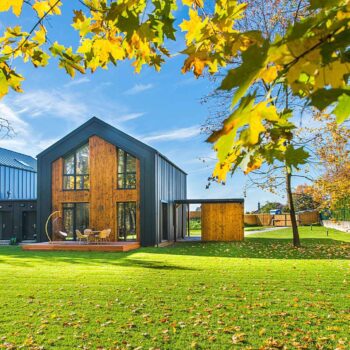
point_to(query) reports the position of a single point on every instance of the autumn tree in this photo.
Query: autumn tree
(332, 187)
(310, 59)
(303, 198)
(270, 206)
(271, 18)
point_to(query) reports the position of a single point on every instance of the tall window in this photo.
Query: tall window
(126, 170)
(75, 217)
(76, 170)
(126, 221)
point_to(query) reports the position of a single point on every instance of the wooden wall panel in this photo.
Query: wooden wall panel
(103, 173)
(222, 222)
(103, 194)
(58, 195)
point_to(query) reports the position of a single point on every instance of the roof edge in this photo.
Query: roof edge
(103, 123)
(200, 201)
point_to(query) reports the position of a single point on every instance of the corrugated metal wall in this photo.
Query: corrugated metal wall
(17, 183)
(170, 185)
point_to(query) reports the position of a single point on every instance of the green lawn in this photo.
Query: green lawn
(255, 228)
(258, 294)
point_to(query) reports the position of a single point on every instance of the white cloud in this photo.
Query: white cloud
(25, 140)
(129, 116)
(40, 103)
(77, 82)
(178, 134)
(137, 88)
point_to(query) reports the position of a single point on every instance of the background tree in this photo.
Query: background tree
(310, 61)
(332, 187)
(303, 199)
(6, 129)
(271, 18)
(270, 206)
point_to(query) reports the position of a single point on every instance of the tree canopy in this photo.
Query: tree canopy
(311, 59)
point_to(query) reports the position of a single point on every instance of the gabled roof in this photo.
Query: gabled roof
(17, 160)
(98, 124)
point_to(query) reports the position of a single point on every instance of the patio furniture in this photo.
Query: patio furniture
(81, 236)
(63, 235)
(104, 235)
(90, 234)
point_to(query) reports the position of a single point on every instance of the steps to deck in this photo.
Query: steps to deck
(74, 246)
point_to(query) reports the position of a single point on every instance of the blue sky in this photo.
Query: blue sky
(162, 109)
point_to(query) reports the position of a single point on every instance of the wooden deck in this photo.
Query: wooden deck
(75, 246)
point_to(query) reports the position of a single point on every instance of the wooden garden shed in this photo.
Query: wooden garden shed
(222, 219)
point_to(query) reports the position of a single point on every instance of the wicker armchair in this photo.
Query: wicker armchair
(104, 235)
(81, 237)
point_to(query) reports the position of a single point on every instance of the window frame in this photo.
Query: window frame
(123, 205)
(75, 175)
(125, 173)
(72, 206)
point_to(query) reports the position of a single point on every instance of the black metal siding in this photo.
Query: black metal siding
(16, 208)
(94, 126)
(21, 184)
(171, 185)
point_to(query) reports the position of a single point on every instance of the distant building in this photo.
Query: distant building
(18, 183)
(18, 176)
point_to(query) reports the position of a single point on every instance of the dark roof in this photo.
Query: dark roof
(200, 201)
(17, 160)
(100, 122)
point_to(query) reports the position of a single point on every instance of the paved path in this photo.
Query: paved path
(246, 233)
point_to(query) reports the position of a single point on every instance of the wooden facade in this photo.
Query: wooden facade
(103, 194)
(222, 221)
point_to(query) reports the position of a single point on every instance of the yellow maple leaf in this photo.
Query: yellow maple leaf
(50, 7)
(193, 26)
(16, 5)
(332, 74)
(40, 35)
(190, 3)
(269, 74)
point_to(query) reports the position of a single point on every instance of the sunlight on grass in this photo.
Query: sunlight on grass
(256, 294)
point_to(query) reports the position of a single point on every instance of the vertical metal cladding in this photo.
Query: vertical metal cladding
(17, 183)
(170, 186)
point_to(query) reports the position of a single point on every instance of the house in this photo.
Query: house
(18, 189)
(99, 177)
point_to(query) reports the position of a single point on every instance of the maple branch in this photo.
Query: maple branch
(35, 26)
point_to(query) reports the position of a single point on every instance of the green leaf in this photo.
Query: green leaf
(254, 60)
(323, 98)
(295, 156)
(342, 110)
(316, 4)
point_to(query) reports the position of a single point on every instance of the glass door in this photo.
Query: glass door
(126, 216)
(75, 217)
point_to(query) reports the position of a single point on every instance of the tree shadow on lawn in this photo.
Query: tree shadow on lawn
(17, 257)
(252, 248)
(263, 248)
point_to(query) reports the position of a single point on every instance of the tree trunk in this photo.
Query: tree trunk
(293, 219)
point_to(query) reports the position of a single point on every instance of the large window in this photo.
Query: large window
(126, 221)
(76, 170)
(126, 170)
(75, 217)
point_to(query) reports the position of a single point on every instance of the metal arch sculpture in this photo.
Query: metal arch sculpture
(47, 224)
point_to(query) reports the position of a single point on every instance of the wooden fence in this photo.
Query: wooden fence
(195, 214)
(303, 218)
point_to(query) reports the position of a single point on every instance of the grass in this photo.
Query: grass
(255, 228)
(256, 294)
